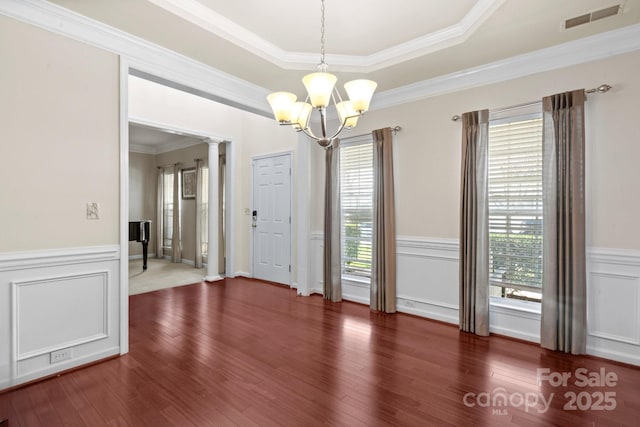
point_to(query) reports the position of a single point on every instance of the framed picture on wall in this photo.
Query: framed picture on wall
(189, 183)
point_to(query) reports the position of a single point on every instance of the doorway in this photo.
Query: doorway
(154, 148)
(271, 218)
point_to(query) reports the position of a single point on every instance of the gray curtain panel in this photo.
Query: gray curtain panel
(160, 215)
(199, 187)
(332, 246)
(563, 325)
(474, 224)
(176, 245)
(383, 270)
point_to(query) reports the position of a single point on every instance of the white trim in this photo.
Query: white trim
(626, 257)
(162, 148)
(124, 206)
(58, 257)
(206, 18)
(304, 266)
(441, 248)
(67, 364)
(185, 72)
(230, 205)
(436, 310)
(167, 127)
(607, 353)
(579, 51)
(143, 149)
(213, 267)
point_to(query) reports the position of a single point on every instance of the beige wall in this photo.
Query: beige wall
(143, 186)
(59, 140)
(427, 150)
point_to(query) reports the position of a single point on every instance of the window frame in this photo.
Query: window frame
(355, 279)
(501, 117)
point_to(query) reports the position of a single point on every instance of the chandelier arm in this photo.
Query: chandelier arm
(309, 133)
(343, 124)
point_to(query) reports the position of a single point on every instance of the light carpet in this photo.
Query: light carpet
(161, 274)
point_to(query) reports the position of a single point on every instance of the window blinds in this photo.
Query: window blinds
(515, 203)
(356, 197)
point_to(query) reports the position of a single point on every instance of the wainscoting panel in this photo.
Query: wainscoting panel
(427, 283)
(59, 309)
(613, 304)
(427, 286)
(41, 327)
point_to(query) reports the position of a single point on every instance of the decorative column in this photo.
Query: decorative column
(212, 255)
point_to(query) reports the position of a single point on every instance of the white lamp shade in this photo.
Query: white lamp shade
(345, 109)
(300, 114)
(282, 105)
(360, 93)
(319, 86)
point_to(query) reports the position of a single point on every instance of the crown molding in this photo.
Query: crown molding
(141, 54)
(167, 147)
(600, 46)
(204, 17)
(190, 75)
(142, 148)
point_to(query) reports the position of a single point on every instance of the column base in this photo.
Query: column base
(213, 278)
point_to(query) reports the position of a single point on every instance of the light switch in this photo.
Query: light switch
(93, 211)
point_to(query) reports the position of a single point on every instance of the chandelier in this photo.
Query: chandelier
(321, 91)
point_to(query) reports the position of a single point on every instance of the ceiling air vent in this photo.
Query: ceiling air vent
(593, 16)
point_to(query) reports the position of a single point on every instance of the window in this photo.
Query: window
(356, 198)
(204, 227)
(515, 207)
(167, 198)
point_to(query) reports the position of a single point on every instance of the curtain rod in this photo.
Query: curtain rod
(169, 165)
(600, 89)
(394, 129)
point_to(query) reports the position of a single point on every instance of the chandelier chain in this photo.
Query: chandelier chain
(322, 33)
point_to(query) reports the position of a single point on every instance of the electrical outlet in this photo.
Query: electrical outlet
(60, 355)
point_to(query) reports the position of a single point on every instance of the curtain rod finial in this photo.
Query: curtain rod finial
(600, 89)
(455, 118)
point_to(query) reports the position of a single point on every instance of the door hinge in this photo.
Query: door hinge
(289, 219)
(289, 171)
(289, 269)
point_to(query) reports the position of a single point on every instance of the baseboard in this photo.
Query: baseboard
(139, 256)
(613, 355)
(80, 362)
(427, 309)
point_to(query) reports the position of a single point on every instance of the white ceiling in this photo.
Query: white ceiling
(144, 139)
(396, 43)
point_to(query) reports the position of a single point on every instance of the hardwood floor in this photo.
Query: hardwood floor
(242, 352)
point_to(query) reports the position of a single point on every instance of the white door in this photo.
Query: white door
(271, 218)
